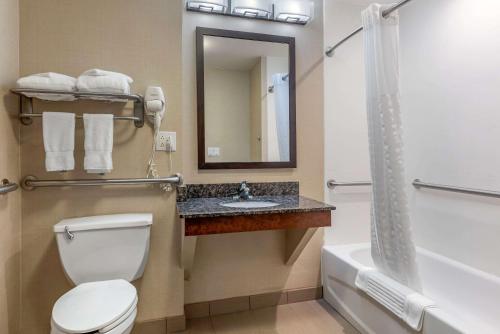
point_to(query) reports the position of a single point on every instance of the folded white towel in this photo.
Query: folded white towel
(101, 81)
(405, 303)
(98, 143)
(59, 141)
(415, 307)
(49, 81)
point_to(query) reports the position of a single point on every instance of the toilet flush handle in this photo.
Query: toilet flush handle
(70, 235)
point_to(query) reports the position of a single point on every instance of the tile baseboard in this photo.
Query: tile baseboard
(161, 326)
(253, 302)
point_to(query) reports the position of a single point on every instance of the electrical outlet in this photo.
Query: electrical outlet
(166, 141)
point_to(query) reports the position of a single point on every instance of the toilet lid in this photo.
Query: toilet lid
(92, 306)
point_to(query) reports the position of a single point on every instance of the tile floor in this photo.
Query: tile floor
(312, 317)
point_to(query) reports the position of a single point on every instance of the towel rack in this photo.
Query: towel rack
(116, 118)
(26, 112)
(6, 186)
(32, 182)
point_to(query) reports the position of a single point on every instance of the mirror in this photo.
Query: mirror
(246, 100)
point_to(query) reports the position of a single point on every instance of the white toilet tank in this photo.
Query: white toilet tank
(102, 248)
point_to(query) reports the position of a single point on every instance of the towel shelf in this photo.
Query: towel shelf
(6, 186)
(26, 113)
(32, 182)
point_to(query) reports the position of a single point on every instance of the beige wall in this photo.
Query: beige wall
(247, 263)
(142, 39)
(10, 205)
(227, 102)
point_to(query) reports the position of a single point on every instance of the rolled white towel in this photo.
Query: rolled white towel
(101, 81)
(49, 81)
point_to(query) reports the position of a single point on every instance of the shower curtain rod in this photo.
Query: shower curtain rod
(329, 52)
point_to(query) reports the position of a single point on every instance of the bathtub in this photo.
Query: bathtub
(468, 300)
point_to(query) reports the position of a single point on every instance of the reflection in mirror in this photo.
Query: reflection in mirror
(246, 101)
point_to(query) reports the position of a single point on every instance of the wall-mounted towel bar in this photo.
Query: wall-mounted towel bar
(26, 112)
(6, 186)
(332, 184)
(116, 118)
(32, 182)
(470, 191)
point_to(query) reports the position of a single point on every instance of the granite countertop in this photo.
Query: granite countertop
(210, 206)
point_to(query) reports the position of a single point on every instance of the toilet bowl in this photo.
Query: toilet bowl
(101, 255)
(97, 307)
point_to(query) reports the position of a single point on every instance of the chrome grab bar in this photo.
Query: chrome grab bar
(470, 191)
(31, 182)
(6, 186)
(332, 184)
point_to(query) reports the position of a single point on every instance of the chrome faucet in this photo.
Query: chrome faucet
(244, 192)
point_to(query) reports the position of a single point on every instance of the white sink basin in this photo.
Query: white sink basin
(250, 204)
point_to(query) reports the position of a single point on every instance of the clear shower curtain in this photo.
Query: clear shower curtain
(393, 250)
(281, 102)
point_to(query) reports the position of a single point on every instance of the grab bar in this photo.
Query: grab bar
(470, 191)
(31, 182)
(332, 184)
(6, 186)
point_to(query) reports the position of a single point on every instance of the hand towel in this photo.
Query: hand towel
(59, 141)
(100, 81)
(404, 302)
(98, 143)
(49, 81)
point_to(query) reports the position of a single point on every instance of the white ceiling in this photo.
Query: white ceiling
(239, 54)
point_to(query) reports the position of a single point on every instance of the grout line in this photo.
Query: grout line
(212, 326)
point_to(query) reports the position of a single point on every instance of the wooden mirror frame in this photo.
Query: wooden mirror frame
(200, 87)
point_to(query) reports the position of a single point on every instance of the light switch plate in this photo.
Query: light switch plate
(213, 151)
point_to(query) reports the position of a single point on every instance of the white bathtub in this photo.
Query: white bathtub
(468, 299)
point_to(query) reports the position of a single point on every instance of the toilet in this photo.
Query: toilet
(101, 255)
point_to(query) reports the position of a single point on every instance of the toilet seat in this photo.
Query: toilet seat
(95, 307)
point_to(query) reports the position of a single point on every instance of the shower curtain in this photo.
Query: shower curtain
(281, 103)
(393, 250)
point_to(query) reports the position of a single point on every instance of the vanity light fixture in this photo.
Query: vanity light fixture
(293, 11)
(252, 8)
(284, 11)
(208, 6)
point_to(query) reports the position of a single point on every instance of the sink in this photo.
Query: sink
(249, 204)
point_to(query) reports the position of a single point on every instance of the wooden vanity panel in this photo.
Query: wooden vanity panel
(250, 223)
